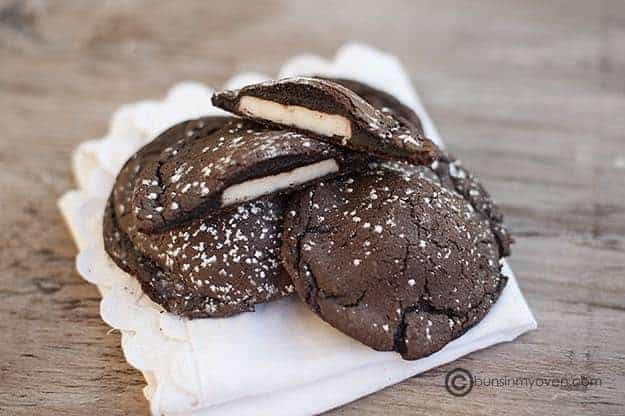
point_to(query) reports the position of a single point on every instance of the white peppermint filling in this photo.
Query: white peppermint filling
(296, 116)
(254, 188)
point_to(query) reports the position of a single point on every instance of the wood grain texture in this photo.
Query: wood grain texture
(530, 94)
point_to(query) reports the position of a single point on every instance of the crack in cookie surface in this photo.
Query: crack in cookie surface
(446, 169)
(401, 263)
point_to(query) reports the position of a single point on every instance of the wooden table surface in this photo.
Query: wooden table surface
(530, 94)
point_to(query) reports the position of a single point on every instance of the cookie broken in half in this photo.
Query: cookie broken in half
(332, 112)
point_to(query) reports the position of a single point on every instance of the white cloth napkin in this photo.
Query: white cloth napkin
(282, 359)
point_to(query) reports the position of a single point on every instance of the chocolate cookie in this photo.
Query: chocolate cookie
(381, 100)
(454, 176)
(240, 162)
(333, 113)
(176, 135)
(205, 267)
(393, 259)
(447, 170)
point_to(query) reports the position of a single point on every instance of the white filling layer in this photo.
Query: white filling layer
(296, 116)
(254, 188)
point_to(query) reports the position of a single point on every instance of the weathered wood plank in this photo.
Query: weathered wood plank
(530, 95)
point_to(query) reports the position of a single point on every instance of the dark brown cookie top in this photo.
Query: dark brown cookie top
(211, 266)
(381, 100)
(125, 183)
(229, 256)
(332, 112)
(166, 289)
(451, 174)
(240, 162)
(446, 170)
(392, 259)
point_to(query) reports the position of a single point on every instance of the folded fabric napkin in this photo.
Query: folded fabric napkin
(281, 359)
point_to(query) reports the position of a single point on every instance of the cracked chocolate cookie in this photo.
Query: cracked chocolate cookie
(381, 100)
(453, 176)
(213, 266)
(333, 113)
(240, 162)
(392, 258)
